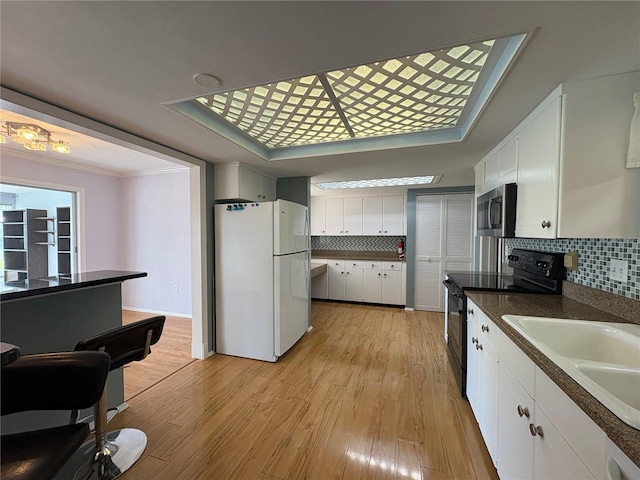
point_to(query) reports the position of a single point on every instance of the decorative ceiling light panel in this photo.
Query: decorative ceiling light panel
(386, 104)
(380, 182)
(409, 94)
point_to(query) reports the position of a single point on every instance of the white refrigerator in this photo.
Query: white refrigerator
(262, 278)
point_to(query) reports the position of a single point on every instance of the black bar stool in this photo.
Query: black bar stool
(112, 453)
(51, 381)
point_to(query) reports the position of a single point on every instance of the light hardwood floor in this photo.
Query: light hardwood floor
(368, 393)
(170, 354)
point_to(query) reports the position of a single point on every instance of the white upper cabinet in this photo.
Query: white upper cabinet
(393, 217)
(334, 216)
(317, 214)
(353, 216)
(383, 215)
(234, 181)
(375, 215)
(538, 164)
(570, 163)
(372, 215)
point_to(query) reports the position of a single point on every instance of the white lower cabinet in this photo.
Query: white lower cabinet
(366, 281)
(531, 428)
(515, 443)
(482, 374)
(353, 281)
(337, 279)
(372, 274)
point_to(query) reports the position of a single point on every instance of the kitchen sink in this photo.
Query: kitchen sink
(603, 357)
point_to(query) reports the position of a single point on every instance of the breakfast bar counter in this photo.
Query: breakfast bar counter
(53, 314)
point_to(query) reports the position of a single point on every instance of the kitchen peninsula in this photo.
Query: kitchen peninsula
(52, 314)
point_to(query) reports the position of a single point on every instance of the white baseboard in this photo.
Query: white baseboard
(408, 309)
(157, 312)
(310, 328)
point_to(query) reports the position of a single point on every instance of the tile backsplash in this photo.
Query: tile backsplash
(358, 243)
(594, 255)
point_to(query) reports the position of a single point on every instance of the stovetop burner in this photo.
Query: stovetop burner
(533, 272)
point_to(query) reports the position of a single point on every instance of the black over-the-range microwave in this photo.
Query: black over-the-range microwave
(497, 212)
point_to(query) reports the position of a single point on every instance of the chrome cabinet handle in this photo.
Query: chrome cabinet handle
(379, 231)
(470, 311)
(536, 430)
(474, 340)
(346, 231)
(379, 274)
(385, 231)
(546, 224)
(523, 411)
(485, 328)
(478, 346)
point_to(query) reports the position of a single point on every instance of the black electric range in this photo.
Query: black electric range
(533, 272)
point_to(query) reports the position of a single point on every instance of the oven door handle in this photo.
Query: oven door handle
(448, 284)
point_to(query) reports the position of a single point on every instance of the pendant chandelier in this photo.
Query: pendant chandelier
(33, 137)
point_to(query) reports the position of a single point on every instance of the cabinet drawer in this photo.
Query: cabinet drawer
(584, 436)
(392, 266)
(372, 265)
(517, 361)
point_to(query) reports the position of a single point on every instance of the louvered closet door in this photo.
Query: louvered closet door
(429, 252)
(458, 233)
(444, 228)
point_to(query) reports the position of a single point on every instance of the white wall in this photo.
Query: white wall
(101, 205)
(155, 238)
(134, 223)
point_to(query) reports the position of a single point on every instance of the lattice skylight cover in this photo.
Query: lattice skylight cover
(408, 94)
(380, 182)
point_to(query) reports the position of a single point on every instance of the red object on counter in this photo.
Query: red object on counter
(400, 249)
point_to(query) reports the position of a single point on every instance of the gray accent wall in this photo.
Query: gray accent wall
(410, 245)
(294, 189)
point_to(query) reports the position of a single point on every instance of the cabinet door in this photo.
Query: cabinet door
(492, 170)
(392, 287)
(488, 395)
(393, 215)
(250, 187)
(372, 279)
(372, 215)
(353, 216)
(479, 178)
(317, 214)
(267, 189)
(515, 443)
(554, 458)
(473, 356)
(334, 216)
(538, 166)
(508, 162)
(354, 282)
(336, 271)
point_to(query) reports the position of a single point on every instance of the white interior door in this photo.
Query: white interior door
(444, 230)
(429, 252)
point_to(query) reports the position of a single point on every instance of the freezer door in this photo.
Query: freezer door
(290, 227)
(292, 276)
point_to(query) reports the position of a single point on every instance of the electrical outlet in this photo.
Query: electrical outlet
(571, 260)
(175, 288)
(619, 270)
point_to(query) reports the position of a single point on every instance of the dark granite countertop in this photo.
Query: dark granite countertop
(557, 306)
(356, 255)
(44, 286)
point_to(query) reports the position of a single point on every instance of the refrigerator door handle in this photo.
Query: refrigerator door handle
(308, 271)
(307, 230)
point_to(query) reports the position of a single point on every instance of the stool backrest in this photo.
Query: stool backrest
(128, 343)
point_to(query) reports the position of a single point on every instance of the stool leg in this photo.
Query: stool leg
(109, 454)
